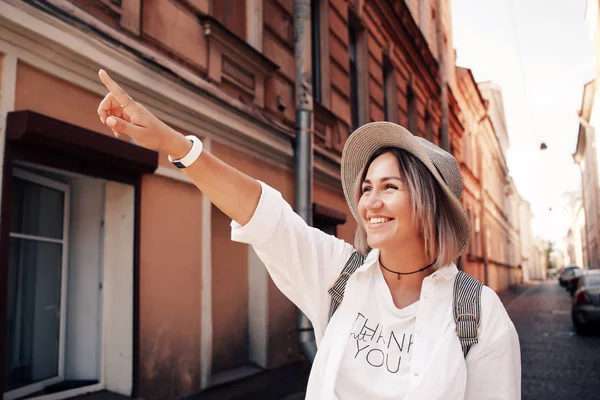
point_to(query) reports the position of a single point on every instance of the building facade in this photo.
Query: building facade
(526, 237)
(490, 197)
(576, 244)
(586, 156)
(119, 274)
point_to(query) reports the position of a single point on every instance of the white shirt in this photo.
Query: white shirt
(376, 361)
(304, 262)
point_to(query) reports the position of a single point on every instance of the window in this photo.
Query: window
(353, 77)
(358, 57)
(327, 219)
(428, 127)
(411, 101)
(61, 331)
(315, 23)
(36, 284)
(390, 105)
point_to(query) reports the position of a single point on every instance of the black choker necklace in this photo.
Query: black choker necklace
(405, 273)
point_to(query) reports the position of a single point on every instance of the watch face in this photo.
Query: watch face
(178, 164)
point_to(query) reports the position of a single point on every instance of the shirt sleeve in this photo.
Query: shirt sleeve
(494, 364)
(302, 261)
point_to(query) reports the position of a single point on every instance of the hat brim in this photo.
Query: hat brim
(366, 140)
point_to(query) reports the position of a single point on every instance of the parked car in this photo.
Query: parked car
(573, 280)
(566, 273)
(585, 311)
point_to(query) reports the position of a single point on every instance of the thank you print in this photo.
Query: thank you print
(379, 347)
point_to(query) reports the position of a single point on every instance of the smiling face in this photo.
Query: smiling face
(385, 207)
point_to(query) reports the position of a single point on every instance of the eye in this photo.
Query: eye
(366, 189)
(390, 186)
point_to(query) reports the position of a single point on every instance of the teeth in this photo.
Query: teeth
(378, 220)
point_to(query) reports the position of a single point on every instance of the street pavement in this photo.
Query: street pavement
(557, 364)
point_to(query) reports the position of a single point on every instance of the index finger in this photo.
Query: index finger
(120, 94)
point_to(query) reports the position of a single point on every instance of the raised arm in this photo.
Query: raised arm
(221, 183)
(302, 260)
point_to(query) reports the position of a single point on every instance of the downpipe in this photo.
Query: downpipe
(303, 150)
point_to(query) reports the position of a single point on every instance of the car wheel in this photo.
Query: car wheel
(579, 323)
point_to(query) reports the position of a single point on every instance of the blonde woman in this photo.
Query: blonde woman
(410, 326)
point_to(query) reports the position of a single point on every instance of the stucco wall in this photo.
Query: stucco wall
(170, 288)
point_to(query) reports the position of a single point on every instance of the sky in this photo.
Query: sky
(540, 52)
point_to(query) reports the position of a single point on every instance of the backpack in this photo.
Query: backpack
(466, 301)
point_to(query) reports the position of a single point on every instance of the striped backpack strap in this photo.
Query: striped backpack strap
(336, 291)
(467, 310)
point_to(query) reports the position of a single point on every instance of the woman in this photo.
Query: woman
(402, 331)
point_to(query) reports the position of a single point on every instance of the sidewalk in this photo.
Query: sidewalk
(102, 395)
(284, 383)
(510, 294)
(287, 382)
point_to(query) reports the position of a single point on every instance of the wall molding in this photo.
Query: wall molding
(63, 51)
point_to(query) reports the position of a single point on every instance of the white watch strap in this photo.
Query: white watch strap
(191, 156)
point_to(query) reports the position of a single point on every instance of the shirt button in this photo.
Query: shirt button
(426, 295)
(416, 373)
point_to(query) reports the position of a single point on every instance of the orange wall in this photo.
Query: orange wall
(229, 296)
(43, 93)
(170, 288)
(336, 200)
(282, 346)
(1, 65)
(176, 30)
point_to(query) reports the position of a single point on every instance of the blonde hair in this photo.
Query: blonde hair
(430, 208)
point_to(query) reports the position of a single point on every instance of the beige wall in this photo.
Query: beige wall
(170, 288)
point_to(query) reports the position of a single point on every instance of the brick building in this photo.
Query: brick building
(119, 274)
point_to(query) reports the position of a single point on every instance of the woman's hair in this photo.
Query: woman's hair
(430, 209)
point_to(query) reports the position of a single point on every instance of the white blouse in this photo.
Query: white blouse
(304, 262)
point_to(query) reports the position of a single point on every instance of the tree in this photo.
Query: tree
(549, 256)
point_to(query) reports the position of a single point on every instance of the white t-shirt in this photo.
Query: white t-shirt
(376, 360)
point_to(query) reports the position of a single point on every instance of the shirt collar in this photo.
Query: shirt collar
(446, 272)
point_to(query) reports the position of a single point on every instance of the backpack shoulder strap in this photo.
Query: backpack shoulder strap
(467, 310)
(336, 291)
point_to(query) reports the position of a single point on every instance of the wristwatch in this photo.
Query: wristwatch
(191, 156)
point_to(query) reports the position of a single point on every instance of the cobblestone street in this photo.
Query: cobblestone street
(557, 363)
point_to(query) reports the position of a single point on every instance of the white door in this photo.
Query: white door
(36, 284)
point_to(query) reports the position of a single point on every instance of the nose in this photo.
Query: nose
(374, 202)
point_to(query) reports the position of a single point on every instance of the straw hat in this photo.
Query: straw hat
(367, 139)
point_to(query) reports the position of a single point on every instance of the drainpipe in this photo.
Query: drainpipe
(444, 124)
(303, 149)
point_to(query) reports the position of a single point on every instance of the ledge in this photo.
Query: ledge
(43, 139)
